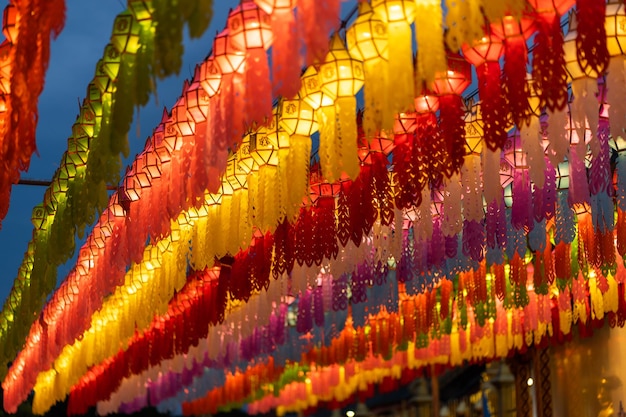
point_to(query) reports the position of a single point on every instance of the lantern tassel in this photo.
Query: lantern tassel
(346, 135)
(401, 66)
(492, 104)
(285, 67)
(549, 64)
(585, 112)
(452, 126)
(258, 91)
(616, 91)
(515, 86)
(591, 48)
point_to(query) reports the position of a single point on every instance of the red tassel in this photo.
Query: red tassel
(285, 66)
(549, 63)
(591, 49)
(258, 88)
(493, 106)
(317, 17)
(515, 85)
(452, 128)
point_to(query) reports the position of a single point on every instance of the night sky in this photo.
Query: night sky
(74, 55)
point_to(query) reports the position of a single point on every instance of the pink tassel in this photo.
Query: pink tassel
(258, 87)
(317, 17)
(285, 66)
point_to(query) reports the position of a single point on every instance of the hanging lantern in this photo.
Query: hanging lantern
(474, 129)
(197, 99)
(449, 86)
(548, 56)
(341, 78)
(210, 76)
(228, 127)
(9, 22)
(584, 109)
(311, 91)
(236, 173)
(615, 23)
(250, 31)
(367, 41)
(126, 33)
(399, 15)
(285, 68)
(266, 142)
(484, 55)
(297, 117)
(514, 32)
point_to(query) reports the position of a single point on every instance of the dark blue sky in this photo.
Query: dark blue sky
(73, 58)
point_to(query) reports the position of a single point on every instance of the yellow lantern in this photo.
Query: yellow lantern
(474, 129)
(311, 91)
(399, 15)
(297, 117)
(342, 77)
(126, 31)
(236, 173)
(367, 41)
(268, 141)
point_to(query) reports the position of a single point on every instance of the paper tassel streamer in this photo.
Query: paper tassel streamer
(399, 16)
(591, 49)
(464, 22)
(431, 57)
(317, 17)
(367, 41)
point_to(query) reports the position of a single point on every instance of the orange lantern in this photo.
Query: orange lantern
(484, 55)
(197, 99)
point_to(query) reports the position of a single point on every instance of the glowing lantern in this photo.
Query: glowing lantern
(102, 78)
(197, 99)
(548, 57)
(126, 32)
(250, 31)
(236, 173)
(474, 129)
(111, 61)
(426, 103)
(341, 78)
(367, 41)
(9, 20)
(210, 77)
(285, 69)
(399, 15)
(141, 9)
(514, 32)
(615, 24)
(267, 141)
(5, 67)
(245, 160)
(311, 91)
(484, 55)
(184, 124)
(227, 57)
(449, 86)
(297, 117)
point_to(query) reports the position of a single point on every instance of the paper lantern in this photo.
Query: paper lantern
(367, 41)
(426, 103)
(126, 33)
(615, 26)
(297, 117)
(268, 140)
(210, 76)
(341, 78)
(449, 86)
(399, 15)
(9, 21)
(236, 173)
(228, 58)
(514, 32)
(474, 129)
(311, 91)
(484, 55)
(249, 27)
(197, 99)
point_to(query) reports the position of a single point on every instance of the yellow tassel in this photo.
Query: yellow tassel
(346, 135)
(464, 22)
(401, 70)
(298, 162)
(497, 9)
(611, 297)
(431, 55)
(329, 148)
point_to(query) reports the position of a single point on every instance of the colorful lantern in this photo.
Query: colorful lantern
(341, 78)
(449, 86)
(484, 55)
(285, 69)
(367, 41)
(548, 56)
(615, 24)
(514, 32)
(250, 30)
(399, 15)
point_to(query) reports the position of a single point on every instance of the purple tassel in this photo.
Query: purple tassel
(473, 240)
(520, 211)
(578, 185)
(318, 306)
(304, 322)
(549, 191)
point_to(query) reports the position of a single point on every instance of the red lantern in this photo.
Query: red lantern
(484, 55)
(449, 86)
(548, 57)
(514, 32)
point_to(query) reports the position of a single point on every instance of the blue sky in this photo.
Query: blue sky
(73, 58)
